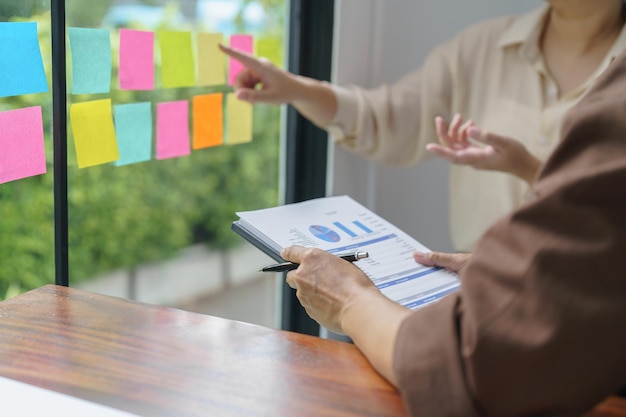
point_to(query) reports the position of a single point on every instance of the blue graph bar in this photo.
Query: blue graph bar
(345, 229)
(362, 226)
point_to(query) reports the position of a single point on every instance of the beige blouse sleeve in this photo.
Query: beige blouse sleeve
(393, 123)
(538, 326)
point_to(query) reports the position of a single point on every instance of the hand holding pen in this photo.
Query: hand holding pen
(288, 266)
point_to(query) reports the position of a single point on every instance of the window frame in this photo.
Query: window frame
(311, 24)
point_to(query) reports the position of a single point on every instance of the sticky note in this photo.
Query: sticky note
(91, 60)
(239, 119)
(22, 149)
(243, 43)
(21, 66)
(270, 48)
(172, 136)
(211, 61)
(177, 63)
(208, 128)
(136, 60)
(133, 129)
(94, 133)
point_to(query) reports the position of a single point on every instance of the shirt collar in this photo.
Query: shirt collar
(618, 47)
(524, 33)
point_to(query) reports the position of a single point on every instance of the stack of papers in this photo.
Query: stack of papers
(339, 225)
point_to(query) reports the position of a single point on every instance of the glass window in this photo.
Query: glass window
(158, 231)
(26, 178)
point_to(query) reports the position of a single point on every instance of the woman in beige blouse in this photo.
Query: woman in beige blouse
(512, 77)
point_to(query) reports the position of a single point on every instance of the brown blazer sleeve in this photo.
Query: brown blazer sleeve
(539, 325)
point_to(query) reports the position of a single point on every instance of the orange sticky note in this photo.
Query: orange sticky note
(208, 128)
(239, 119)
(94, 133)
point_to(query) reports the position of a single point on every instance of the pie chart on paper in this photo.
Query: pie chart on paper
(324, 233)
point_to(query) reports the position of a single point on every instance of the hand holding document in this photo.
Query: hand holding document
(341, 225)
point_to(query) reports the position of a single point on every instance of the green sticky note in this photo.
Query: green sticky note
(270, 48)
(177, 62)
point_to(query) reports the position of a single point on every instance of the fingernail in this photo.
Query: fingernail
(243, 95)
(474, 132)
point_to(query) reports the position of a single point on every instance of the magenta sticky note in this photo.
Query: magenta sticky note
(172, 135)
(243, 43)
(22, 149)
(136, 60)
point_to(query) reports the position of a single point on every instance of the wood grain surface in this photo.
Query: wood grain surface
(159, 361)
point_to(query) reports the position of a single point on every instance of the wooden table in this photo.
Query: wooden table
(159, 361)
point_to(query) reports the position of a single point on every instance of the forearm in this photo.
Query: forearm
(372, 321)
(315, 100)
(527, 168)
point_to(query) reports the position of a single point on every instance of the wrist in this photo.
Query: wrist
(301, 88)
(527, 168)
(314, 99)
(531, 168)
(354, 313)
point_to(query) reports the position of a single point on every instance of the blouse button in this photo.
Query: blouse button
(552, 91)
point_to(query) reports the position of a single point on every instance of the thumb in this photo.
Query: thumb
(452, 261)
(292, 253)
(488, 138)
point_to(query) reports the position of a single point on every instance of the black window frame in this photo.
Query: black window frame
(311, 24)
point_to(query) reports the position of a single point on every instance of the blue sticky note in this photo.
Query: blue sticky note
(91, 60)
(21, 66)
(133, 128)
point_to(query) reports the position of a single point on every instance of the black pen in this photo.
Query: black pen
(288, 266)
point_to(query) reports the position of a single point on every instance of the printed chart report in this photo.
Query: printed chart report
(340, 224)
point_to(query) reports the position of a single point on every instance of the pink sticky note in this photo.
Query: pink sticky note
(172, 136)
(243, 43)
(22, 149)
(136, 67)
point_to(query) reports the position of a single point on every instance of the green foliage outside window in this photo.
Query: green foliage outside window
(121, 217)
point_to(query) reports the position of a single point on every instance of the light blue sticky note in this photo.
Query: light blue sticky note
(91, 60)
(133, 128)
(21, 66)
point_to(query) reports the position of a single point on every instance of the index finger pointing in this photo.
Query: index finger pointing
(246, 59)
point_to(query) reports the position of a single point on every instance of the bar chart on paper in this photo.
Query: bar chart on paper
(340, 224)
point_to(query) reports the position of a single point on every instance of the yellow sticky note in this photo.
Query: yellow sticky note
(177, 62)
(239, 120)
(211, 61)
(94, 133)
(270, 48)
